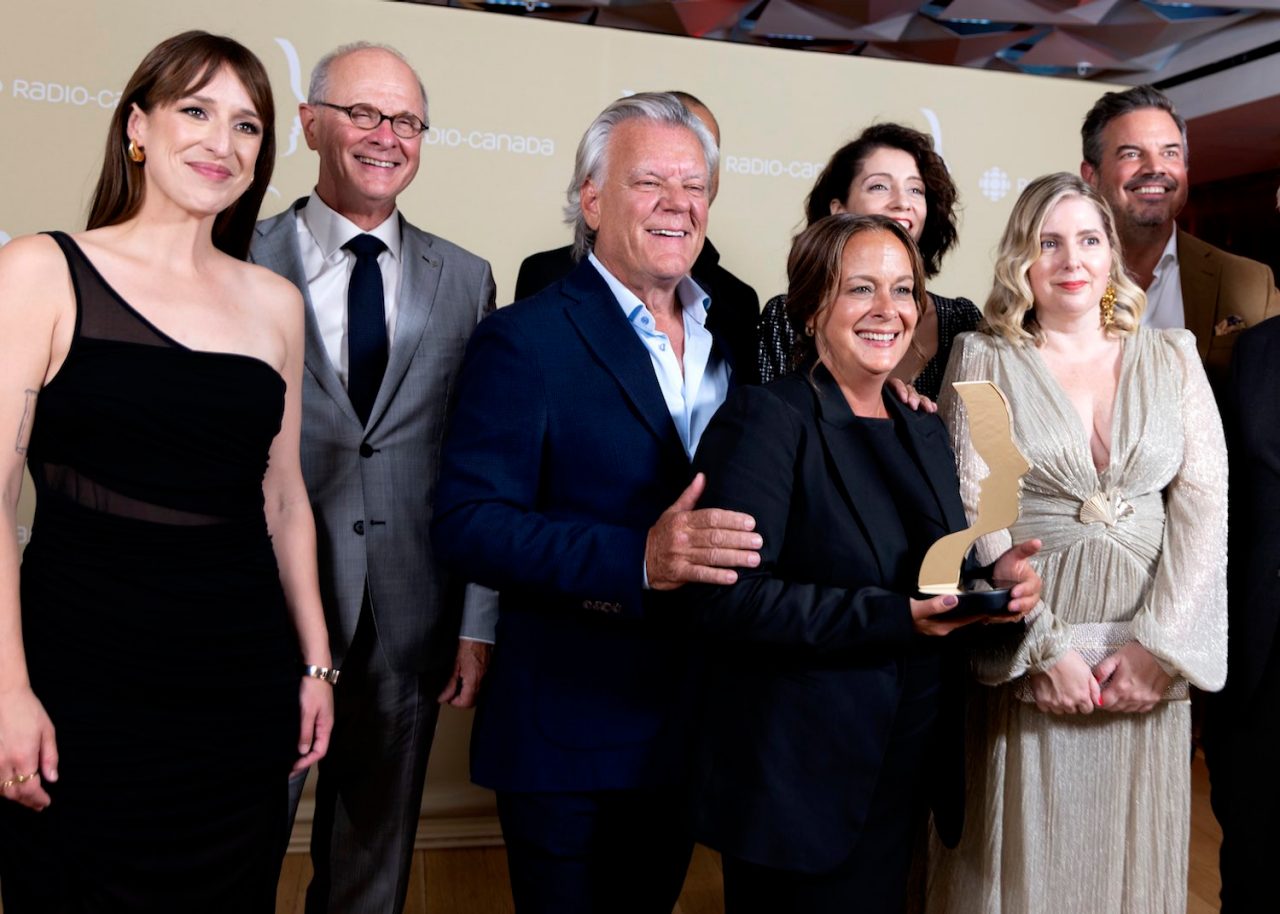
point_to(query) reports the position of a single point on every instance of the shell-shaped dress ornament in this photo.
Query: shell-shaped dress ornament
(1104, 508)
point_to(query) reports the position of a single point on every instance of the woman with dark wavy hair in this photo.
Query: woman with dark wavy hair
(893, 171)
(153, 697)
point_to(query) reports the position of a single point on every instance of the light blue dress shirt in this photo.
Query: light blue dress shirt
(695, 393)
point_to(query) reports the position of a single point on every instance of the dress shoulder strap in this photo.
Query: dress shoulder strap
(101, 313)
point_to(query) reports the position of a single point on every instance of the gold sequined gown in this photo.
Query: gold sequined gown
(1090, 814)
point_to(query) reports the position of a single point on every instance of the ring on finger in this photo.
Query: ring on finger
(16, 780)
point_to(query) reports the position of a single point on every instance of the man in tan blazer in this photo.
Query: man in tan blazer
(1135, 155)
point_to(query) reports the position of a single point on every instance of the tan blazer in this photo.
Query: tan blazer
(1215, 286)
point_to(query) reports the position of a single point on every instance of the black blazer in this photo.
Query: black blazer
(734, 312)
(806, 650)
(1251, 416)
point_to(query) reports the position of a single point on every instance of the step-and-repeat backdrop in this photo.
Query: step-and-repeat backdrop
(510, 98)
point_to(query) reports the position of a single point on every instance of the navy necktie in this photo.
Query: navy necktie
(366, 325)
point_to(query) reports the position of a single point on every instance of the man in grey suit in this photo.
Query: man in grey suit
(389, 312)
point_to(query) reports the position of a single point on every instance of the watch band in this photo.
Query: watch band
(322, 672)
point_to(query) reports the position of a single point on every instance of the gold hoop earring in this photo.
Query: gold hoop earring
(1107, 306)
(137, 155)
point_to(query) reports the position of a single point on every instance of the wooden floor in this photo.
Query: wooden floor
(475, 881)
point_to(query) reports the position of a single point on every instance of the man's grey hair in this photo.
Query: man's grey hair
(318, 91)
(1117, 104)
(591, 159)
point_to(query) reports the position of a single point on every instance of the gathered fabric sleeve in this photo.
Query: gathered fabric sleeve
(1183, 621)
(1004, 652)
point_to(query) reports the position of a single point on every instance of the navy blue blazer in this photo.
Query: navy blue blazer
(560, 457)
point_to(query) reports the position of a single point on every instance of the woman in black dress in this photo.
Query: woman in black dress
(831, 717)
(153, 697)
(893, 171)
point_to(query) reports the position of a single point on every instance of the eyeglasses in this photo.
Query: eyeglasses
(367, 117)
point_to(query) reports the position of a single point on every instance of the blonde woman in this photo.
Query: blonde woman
(1078, 785)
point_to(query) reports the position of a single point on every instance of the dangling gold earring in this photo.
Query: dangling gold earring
(1107, 306)
(136, 153)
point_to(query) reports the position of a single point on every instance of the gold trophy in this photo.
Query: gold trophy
(991, 432)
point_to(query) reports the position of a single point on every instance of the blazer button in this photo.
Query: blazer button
(358, 527)
(365, 449)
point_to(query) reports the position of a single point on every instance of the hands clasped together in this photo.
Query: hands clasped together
(1131, 679)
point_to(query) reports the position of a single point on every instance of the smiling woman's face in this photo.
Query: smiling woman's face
(866, 329)
(888, 184)
(1074, 266)
(201, 149)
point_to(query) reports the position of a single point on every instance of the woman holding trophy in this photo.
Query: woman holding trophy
(827, 730)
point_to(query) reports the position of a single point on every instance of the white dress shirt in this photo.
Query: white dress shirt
(1164, 297)
(321, 234)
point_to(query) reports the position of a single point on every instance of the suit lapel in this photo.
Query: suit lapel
(276, 248)
(1199, 275)
(933, 454)
(419, 279)
(595, 313)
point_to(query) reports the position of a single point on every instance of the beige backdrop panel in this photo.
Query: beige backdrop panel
(509, 100)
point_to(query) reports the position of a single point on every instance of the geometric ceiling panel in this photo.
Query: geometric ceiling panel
(784, 17)
(1122, 40)
(1061, 49)
(705, 16)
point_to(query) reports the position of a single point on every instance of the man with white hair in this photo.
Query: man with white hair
(389, 310)
(566, 485)
(735, 310)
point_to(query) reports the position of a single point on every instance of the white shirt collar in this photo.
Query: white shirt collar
(332, 230)
(1169, 257)
(689, 293)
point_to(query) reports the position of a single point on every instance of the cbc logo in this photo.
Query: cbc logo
(995, 184)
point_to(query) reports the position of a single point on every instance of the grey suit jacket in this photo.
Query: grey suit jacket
(372, 488)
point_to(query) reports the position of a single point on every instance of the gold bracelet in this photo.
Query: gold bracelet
(322, 672)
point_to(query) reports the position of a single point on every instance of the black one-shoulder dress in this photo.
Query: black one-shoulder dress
(154, 626)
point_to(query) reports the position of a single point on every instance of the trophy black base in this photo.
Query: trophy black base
(978, 598)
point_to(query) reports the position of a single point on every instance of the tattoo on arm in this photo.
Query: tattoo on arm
(24, 425)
